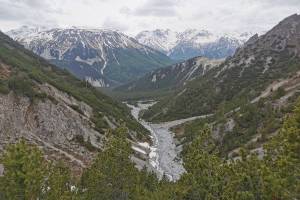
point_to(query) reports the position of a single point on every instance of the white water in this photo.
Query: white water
(163, 156)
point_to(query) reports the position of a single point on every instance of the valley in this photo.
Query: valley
(141, 114)
(164, 156)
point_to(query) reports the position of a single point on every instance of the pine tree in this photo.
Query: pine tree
(112, 175)
(203, 179)
(59, 185)
(25, 169)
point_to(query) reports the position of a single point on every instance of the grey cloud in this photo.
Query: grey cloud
(281, 2)
(135, 15)
(158, 12)
(157, 8)
(114, 24)
(161, 3)
(31, 12)
(32, 3)
(10, 13)
(35, 5)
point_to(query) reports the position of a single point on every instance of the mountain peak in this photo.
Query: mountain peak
(91, 54)
(284, 36)
(294, 17)
(192, 42)
(289, 25)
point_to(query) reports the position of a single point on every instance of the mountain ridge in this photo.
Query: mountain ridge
(192, 42)
(102, 57)
(172, 77)
(240, 78)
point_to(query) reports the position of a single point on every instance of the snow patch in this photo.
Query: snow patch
(144, 144)
(139, 150)
(267, 65)
(89, 61)
(47, 55)
(96, 82)
(153, 78)
(246, 63)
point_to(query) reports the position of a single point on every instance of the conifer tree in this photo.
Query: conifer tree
(24, 172)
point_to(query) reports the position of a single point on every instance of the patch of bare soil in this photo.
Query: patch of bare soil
(5, 71)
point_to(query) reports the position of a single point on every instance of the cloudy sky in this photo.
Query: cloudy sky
(132, 16)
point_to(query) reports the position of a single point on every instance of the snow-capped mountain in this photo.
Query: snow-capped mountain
(162, 40)
(103, 57)
(25, 31)
(266, 68)
(192, 43)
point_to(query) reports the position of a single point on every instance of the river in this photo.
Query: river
(164, 154)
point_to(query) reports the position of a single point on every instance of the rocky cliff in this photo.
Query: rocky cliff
(44, 105)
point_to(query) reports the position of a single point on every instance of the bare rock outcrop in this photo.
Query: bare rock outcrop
(54, 125)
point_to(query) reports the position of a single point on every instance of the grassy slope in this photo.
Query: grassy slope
(28, 69)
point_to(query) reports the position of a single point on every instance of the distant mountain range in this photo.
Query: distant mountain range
(191, 43)
(108, 58)
(103, 57)
(263, 62)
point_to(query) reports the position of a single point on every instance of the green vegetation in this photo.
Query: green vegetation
(29, 176)
(112, 176)
(137, 95)
(232, 87)
(3, 87)
(29, 70)
(132, 64)
(87, 144)
(260, 120)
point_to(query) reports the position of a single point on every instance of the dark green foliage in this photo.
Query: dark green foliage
(113, 176)
(76, 108)
(22, 86)
(279, 93)
(60, 183)
(3, 87)
(133, 64)
(276, 176)
(24, 172)
(122, 64)
(28, 70)
(231, 88)
(27, 175)
(87, 144)
(204, 177)
(261, 120)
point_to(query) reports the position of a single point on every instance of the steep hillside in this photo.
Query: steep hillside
(102, 57)
(257, 66)
(172, 77)
(191, 43)
(47, 106)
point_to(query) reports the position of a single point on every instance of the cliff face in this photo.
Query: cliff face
(60, 126)
(47, 106)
